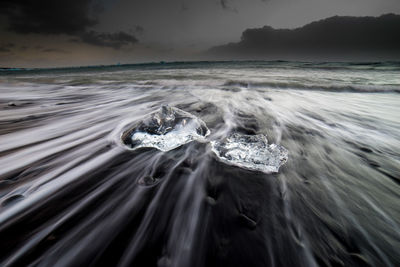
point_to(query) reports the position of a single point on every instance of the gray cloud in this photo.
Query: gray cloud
(138, 29)
(49, 17)
(184, 7)
(337, 37)
(114, 40)
(226, 5)
(187, 26)
(54, 50)
(6, 47)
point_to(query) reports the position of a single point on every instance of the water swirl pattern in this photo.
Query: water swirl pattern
(74, 192)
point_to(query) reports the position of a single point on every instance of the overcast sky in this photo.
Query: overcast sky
(84, 32)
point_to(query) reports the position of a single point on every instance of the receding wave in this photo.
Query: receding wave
(140, 167)
(302, 86)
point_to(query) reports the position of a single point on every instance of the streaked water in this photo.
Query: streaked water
(71, 193)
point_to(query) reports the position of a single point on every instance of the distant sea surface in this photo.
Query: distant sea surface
(73, 194)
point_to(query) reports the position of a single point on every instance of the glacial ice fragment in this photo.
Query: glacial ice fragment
(165, 130)
(251, 152)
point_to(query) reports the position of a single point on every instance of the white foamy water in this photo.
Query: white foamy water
(322, 191)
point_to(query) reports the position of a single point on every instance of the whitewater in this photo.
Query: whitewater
(201, 164)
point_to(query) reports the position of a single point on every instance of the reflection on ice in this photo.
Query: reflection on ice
(250, 152)
(165, 130)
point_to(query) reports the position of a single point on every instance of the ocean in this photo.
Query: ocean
(201, 164)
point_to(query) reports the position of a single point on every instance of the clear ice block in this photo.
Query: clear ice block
(165, 130)
(251, 152)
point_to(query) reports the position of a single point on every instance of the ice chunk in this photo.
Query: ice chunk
(250, 152)
(166, 129)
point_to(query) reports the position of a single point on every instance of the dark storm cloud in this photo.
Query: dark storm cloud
(6, 47)
(334, 36)
(47, 16)
(139, 29)
(184, 7)
(114, 40)
(54, 50)
(225, 4)
(3, 49)
(61, 17)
